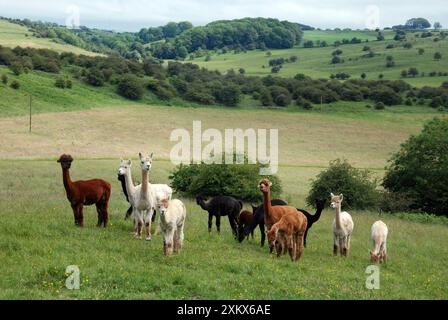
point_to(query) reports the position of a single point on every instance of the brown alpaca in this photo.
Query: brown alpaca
(245, 219)
(273, 214)
(80, 193)
(288, 234)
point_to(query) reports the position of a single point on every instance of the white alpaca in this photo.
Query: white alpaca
(172, 221)
(342, 227)
(142, 197)
(379, 238)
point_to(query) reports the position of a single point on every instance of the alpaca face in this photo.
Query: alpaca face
(125, 165)
(145, 162)
(162, 206)
(374, 257)
(336, 200)
(264, 185)
(66, 161)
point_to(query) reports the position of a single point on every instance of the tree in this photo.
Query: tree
(95, 77)
(266, 97)
(419, 170)
(421, 51)
(363, 75)
(404, 73)
(130, 87)
(437, 26)
(336, 60)
(412, 72)
(437, 56)
(4, 79)
(308, 44)
(15, 84)
(17, 68)
(357, 185)
(417, 23)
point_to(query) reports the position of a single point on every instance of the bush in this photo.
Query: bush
(358, 186)
(266, 97)
(228, 94)
(379, 106)
(60, 83)
(15, 84)
(130, 87)
(16, 68)
(4, 79)
(419, 170)
(237, 180)
(68, 84)
(95, 77)
(387, 96)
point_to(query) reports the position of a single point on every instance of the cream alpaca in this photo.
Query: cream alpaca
(342, 227)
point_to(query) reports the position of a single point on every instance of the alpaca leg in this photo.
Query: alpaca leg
(106, 214)
(304, 238)
(210, 221)
(81, 215)
(291, 244)
(300, 243)
(335, 246)
(139, 224)
(218, 223)
(232, 225)
(157, 231)
(263, 235)
(128, 213)
(179, 238)
(342, 248)
(75, 214)
(148, 214)
(169, 235)
(99, 210)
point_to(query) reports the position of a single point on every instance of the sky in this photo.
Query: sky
(132, 15)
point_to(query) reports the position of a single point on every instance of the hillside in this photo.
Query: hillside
(13, 35)
(316, 62)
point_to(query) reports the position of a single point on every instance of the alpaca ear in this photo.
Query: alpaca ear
(341, 196)
(270, 183)
(140, 155)
(331, 194)
(152, 155)
(129, 162)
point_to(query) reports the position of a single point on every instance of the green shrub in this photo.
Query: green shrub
(95, 77)
(237, 180)
(17, 68)
(358, 186)
(4, 79)
(419, 170)
(15, 84)
(379, 106)
(60, 83)
(68, 84)
(130, 87)
(266, 97)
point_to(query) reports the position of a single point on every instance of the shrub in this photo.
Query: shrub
(60, 83)
(130, 87)
(228, 94)
(280, 96)
(437, 56)
(266, 97)
(161, 89)
(379, 106)
(16, 68)
(387, 96)
(276, 69)
(15, 84)
(419, 170)
(237, 180)
(358, 186)
(4, 79)
(95, 77)
(68, 84)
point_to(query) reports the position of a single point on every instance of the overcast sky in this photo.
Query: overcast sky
(132, 15)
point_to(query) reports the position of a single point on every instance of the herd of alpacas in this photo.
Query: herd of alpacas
(286, 226)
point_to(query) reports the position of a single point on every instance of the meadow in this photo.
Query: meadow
(315, 62)
(38, 239)
(13, 35)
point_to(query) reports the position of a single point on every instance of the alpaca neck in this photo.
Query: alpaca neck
(123, 186)
(129, 183)
(338, 216)
(267, 204)
(204, 205)
(67, 181)
(316, 216)
(145, 181)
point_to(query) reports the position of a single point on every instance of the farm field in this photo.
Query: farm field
(38, 238)
(13, 35)
(315, 62)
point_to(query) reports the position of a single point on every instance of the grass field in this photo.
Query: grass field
(315, 62)
(330, 36)
(13, 35)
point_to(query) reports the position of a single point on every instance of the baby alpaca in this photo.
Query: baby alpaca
(379, 239)
(245, 219)
(288, 233)
(172, 220)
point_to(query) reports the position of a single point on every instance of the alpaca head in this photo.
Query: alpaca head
(66, 161)
(336, 200)
(272, 235)
(200, 199)
(125, 165)
(374, 257)
(265, 185)
(146, 162)
(162, 205)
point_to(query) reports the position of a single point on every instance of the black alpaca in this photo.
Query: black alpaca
(320, 204)
(221, 206)
(125, 191)
(258, 220)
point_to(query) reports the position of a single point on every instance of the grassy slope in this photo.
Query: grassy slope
(315, 62)
(38, 241)
(13, 35)
(331, 35)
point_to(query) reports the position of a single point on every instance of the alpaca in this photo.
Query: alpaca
(320, 205)
(172, 221)
(342, 227)
(245, 219)
(379, 238)
(221, 206)
(258, 220)
(122, 180)
(80, 193)
(288, 233)
(272, 214)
